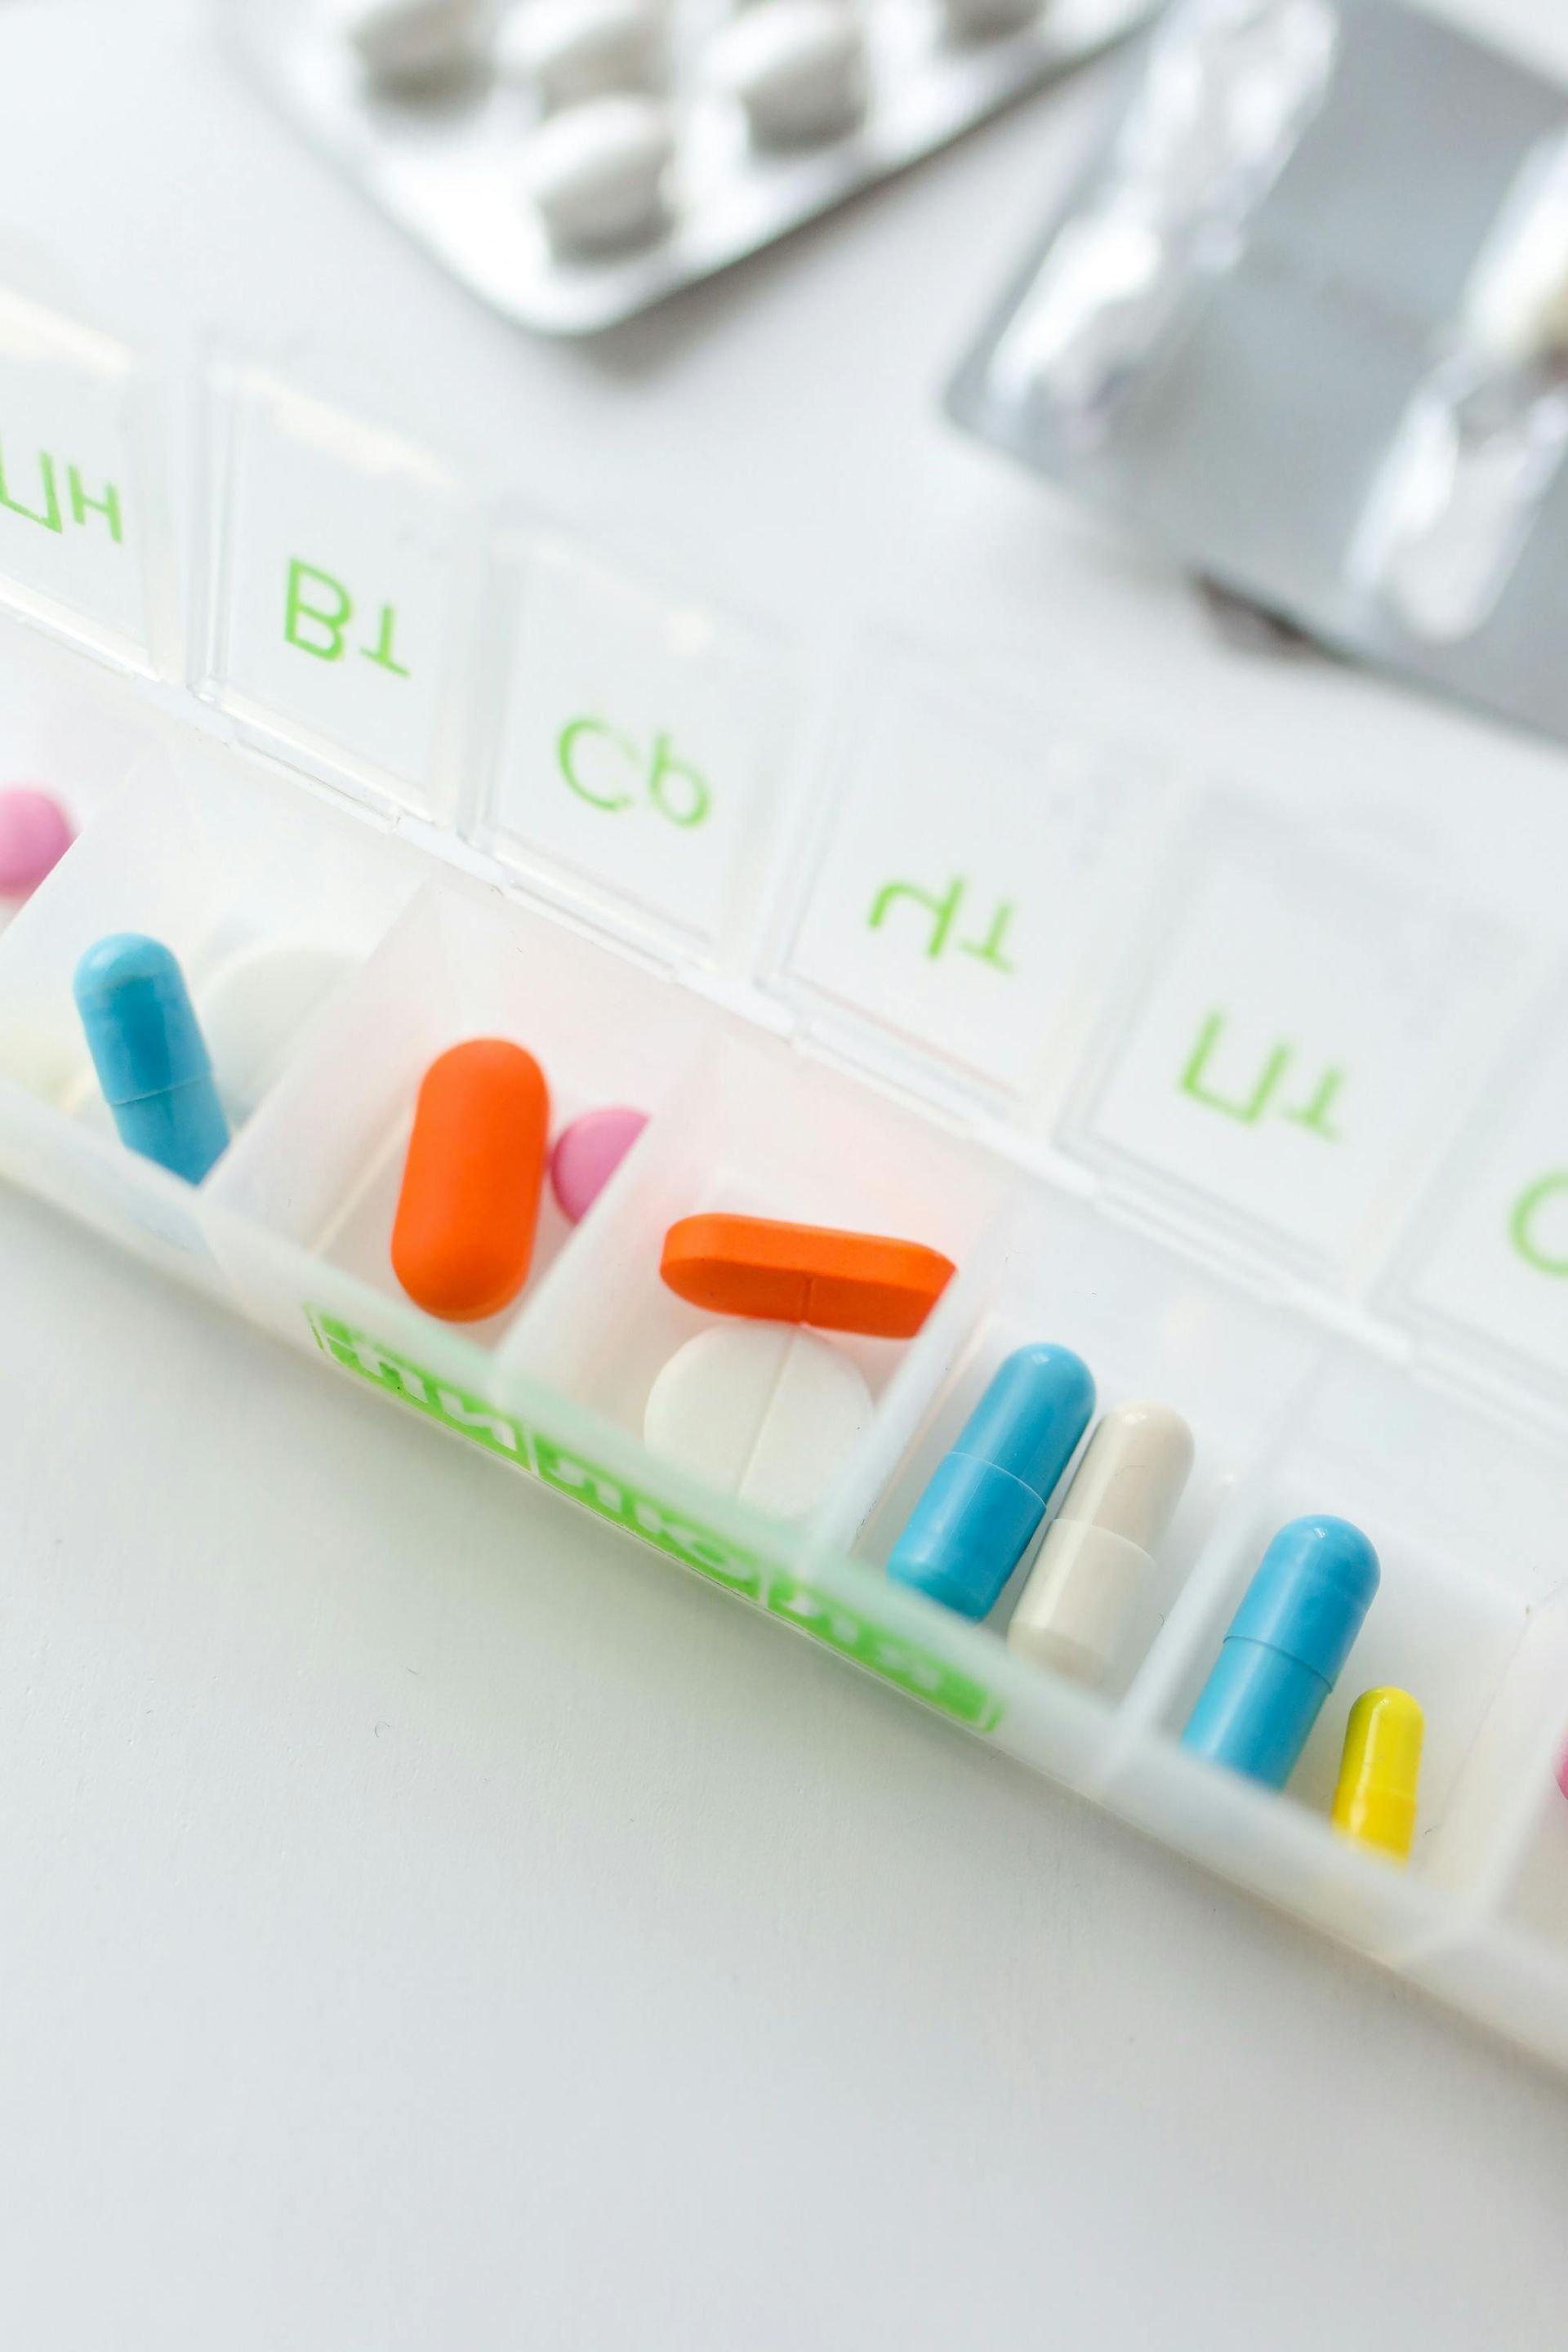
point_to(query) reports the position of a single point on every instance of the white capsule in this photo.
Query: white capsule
(573, 50)
(597, 172)
(1098, 1552)
(979, 20)
(764, 1411)
(414, 45)
(254, 1010)
(797, 67)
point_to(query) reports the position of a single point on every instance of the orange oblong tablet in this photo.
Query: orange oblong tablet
(805, 1273)
(463, 1235)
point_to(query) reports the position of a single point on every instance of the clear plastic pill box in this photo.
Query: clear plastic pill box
(1263, 1116)
(581, 159)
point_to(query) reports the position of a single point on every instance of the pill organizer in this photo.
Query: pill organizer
(1258, 1109)
(594, 157)
(1306, 324)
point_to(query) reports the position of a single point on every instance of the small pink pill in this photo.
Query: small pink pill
(587, 1154)
(35, 834)
(1562, 1771)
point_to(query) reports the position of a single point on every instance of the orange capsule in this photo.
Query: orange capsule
(463, 1235)
(805, 1273)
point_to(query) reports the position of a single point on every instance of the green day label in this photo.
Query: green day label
(777, 1589)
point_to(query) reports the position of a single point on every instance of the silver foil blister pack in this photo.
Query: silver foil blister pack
(1305, 323)
(575, 161)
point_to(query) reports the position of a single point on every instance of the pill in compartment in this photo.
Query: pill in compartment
(149, 1053)
(767, 1411)
(1100, 1549)
(983, 1507)
(1285, 1649)
(462, 1241)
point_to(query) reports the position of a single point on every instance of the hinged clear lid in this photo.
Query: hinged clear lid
(973, 865)
(1261, 1043)
(598, 739)
(1484, 1278)
(338, 603)
(84, 548)
(1305, 1035)
(639, 738)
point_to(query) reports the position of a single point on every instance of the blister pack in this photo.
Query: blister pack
(1306, 324)
(574, 161)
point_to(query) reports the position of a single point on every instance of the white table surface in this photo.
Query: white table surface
(427, 1921)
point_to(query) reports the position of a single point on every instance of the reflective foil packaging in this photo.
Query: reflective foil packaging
(574, 161)
(1306, 326)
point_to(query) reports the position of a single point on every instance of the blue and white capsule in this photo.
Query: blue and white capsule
(1286, 1645)
(979, 1515)
(149, 1053)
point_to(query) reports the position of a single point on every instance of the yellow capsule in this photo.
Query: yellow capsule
(1376, 1800)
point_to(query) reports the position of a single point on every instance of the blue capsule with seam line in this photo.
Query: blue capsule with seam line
(984, 1503)
(1284, 1648)
(150, 1057)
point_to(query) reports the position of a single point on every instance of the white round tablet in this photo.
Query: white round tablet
(764, 1411)
(797, 67)
(597, 172)
(573, 50)
(253, 1009)
(413, 45)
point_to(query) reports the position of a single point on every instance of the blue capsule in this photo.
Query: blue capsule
(978, 1516)
(1281, 1656)
(150, 1056)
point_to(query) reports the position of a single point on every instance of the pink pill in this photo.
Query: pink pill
(35, 834)
(1562, 1771)
(587, 1154)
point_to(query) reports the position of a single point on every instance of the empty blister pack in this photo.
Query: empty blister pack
(574, 161)
(1307, 325)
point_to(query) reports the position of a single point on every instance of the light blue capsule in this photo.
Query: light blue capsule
(978, 1516)
(149, 1053)
(1285, 1644)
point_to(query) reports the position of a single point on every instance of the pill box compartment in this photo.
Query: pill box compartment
(323, 1165)
(758, 1130)
(1152, 1326)
(1471, 1615)
(1534, 1899)
(222, 861)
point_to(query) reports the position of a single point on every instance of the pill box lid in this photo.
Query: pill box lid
(920, 866)
(86, 546)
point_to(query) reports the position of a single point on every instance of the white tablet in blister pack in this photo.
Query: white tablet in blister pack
(574, 161)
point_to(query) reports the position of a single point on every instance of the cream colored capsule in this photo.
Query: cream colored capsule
(1099, 1550)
